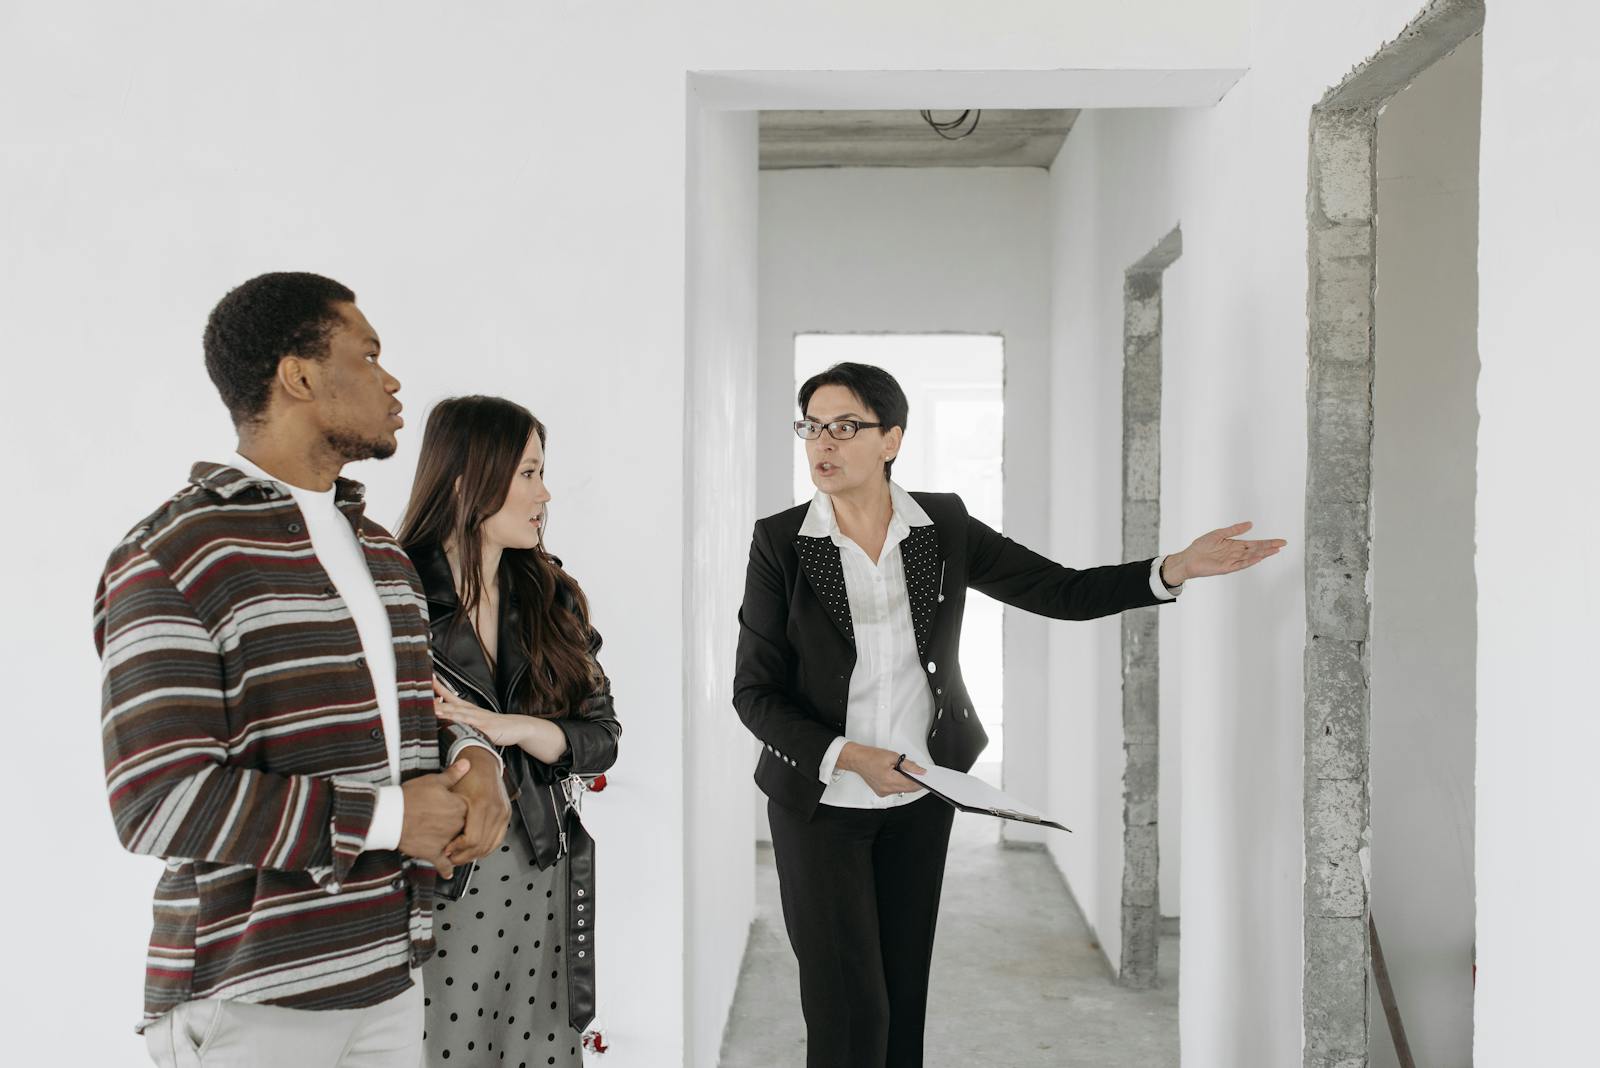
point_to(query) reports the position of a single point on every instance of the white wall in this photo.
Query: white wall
(1233, 448)
(502, 184)
(1424, 596)
(1177, 337)
(959, 250)
(1538, 589)
(719, 873)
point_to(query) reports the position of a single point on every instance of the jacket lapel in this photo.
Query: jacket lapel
(819, 559)
(919, 553)
(452, 640)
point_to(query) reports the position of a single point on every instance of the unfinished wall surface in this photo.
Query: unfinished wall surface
(1342, 221)
(1141, 648)
(922, 251)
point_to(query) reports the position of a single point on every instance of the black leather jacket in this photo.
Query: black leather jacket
(592, 729)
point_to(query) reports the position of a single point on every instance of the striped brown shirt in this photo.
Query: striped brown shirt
(243, 745)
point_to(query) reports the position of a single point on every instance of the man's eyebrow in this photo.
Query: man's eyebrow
(846, 415)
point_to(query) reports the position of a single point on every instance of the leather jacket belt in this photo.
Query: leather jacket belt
(554, 829)
(580, 923)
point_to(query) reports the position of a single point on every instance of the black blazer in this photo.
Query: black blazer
(796, 648)
(592, 729)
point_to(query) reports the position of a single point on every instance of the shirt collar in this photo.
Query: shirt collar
(820, 521)
(228, 479)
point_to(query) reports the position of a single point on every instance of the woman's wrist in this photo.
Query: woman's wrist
(543, 740)
(847, 756)
(1173, 572)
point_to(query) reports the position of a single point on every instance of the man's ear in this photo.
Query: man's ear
(297, 377)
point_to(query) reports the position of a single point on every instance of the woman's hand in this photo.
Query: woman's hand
(499, 728)
(1218, 553)
(876, 766)
(539, 738)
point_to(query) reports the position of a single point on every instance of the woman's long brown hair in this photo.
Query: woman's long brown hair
(470, 452)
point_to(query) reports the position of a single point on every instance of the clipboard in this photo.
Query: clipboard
(967, 793)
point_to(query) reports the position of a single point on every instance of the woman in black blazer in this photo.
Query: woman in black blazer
(847, 664)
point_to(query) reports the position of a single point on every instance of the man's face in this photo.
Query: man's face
(358, 402)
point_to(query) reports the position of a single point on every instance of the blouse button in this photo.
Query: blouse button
(932, 667)
(294, 528)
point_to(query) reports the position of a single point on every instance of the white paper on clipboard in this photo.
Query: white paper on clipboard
(970, 793)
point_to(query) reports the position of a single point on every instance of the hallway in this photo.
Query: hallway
(1044, 998)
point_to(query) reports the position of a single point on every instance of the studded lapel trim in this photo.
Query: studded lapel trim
(919, 553)
(819, 559)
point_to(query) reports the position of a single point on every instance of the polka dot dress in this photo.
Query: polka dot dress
(495, 992)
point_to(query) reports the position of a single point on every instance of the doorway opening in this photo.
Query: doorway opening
(1143, 759)
(1389, 664)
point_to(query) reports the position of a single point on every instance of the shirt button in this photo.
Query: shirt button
(376, 732)
(329, 591)
(361, 661)
(932, 667)
(294, 528)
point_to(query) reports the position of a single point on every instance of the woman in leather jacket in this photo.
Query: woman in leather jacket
(515, 657)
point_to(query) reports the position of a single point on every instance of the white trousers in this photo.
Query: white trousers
(216, 1033)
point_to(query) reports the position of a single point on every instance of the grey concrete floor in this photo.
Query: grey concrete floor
(1017, 980)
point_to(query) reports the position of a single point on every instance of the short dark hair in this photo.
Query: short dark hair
(876, 388)
(259, 323)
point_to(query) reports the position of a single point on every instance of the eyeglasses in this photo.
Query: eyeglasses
(839, 429)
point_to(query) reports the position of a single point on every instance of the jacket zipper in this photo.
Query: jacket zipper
(459, 677)
(561, 821)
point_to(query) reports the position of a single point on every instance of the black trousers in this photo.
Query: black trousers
(860, 894)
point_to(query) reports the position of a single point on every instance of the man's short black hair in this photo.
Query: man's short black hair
(259, 323)
(876, 388)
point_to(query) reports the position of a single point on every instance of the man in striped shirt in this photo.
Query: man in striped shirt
(267, 714)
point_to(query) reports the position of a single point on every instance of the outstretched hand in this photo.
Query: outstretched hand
(1219, 552)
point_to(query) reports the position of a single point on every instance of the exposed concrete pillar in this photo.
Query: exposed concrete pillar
(1141, 529)
(1338, 489)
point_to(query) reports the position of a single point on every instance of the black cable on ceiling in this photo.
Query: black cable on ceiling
(943, 129)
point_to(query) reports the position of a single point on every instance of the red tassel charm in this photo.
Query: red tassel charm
(598, 783)
(595, 1042)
